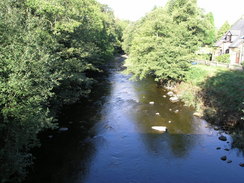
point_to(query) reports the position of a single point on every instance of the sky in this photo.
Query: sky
(223, 10)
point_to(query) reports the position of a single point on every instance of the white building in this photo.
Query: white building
(232, 43)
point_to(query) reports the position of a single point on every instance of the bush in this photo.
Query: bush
(225, 58)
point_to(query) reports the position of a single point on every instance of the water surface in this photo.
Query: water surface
(123, 148)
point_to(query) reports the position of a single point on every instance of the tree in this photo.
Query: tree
(48, 47)
(162, 43)
(223, 29)
(210, 29)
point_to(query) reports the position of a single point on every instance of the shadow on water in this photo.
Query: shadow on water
(65, 155)
(224, 97)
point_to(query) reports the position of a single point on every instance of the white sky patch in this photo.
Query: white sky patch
(223, 10)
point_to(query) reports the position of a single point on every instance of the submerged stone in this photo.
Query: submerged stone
(223, 138)
(241, 164)
(63, 129)
(229, 161)
(224, 158)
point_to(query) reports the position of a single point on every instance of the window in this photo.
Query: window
(228, 37)
(227, 51)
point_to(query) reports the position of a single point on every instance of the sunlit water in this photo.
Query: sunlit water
(123, 148)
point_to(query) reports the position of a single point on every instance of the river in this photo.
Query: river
(122, 147)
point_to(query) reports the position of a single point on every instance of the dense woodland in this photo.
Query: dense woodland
(51, 49)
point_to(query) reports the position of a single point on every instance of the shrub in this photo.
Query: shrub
(225, 58)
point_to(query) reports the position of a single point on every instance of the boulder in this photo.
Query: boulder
(223, 138)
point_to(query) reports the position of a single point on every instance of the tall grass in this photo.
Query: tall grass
(217, 93)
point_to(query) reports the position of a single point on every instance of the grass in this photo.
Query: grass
(216, 93)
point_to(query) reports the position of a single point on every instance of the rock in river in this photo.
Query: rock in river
(63, 129)
(223, 138)
(174, 99)
(229, 161)
(241, 164)
(224, 158)
(170, 94)
(160, 128)
(151, 103)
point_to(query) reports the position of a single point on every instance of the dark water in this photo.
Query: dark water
(123, 148)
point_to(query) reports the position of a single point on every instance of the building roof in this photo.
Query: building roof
(237, 31)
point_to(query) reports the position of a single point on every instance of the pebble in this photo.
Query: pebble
(170, 121)
(151, 103)
(164, 96)
(157, 114)
(218, 148)
(224, 158)
(227, 149)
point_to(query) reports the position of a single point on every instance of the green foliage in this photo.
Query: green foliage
(163, 42)
(210, 29)
(48, 50)
(223, 29)
(216, 92)
(224, 93)
(225, 58)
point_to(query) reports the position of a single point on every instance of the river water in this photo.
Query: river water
(122, 147)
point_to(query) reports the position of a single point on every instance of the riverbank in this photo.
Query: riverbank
(217, 95)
